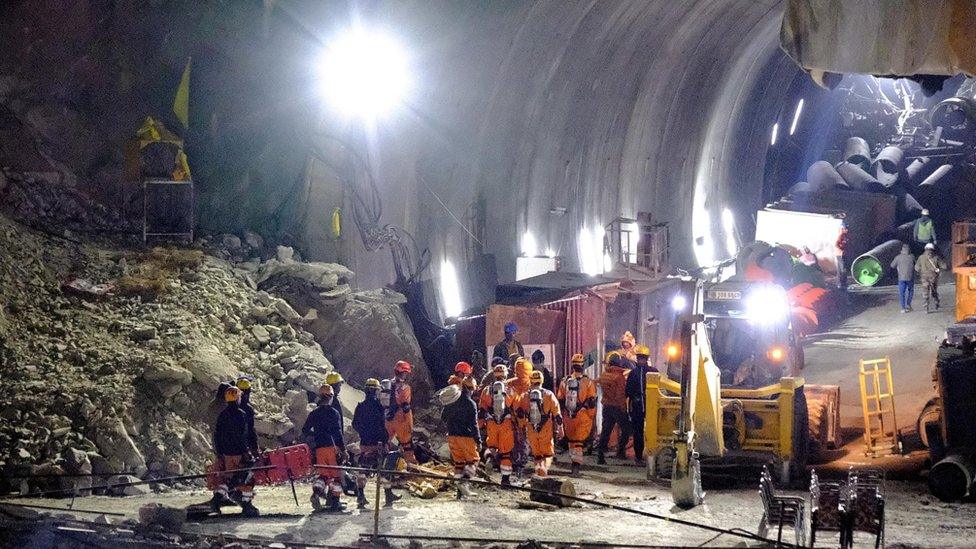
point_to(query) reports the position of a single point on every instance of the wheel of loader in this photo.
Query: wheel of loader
(793, 472)
(932, 411)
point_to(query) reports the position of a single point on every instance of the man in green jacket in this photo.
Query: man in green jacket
(924, 229)
(929, 266)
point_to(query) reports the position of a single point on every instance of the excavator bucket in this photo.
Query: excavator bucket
(708, 409)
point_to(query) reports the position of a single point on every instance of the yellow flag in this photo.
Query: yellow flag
(181, 104)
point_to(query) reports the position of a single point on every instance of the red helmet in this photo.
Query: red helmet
(462, 368)
(403, 366)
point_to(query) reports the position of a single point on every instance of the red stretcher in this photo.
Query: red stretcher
(288, 463)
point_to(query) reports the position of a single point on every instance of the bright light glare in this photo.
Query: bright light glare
(630, 246)
(673, 350)
(363, 73)
(550, 252)
(772, 138)
(591, 256)
(796, 116)
(607, 262)
(450, 290)
(768, 304)
(728, 224)
(529, 248)
(679, 302)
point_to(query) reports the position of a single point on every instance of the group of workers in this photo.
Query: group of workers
(505, 419)
(384, 416)
(927, 267)
(508, 420)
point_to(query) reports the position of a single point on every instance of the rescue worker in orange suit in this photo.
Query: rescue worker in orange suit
(509, 345)
(324, 426)
(463, 436)
(369, 421)
(540, 419)
(637, 399)
(577, 396)
(462, 371)
(517, 387)
(490, 374)
(496, 412)
(613, 382)
(230, 442)
(244, 384)
(399, 414)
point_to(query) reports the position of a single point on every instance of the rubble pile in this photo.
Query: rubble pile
(44, 200)
(96, 379)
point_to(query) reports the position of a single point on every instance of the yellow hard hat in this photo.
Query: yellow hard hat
(326, 390)
(232, 394)
(535, 376)
(642, 350)
(372, 383)
(577, 359)
(333, 377)
(243, 383)
(610, 356)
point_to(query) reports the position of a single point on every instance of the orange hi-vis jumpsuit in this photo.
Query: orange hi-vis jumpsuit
(539, 420)
(577, 394)
(518, 386)
(399, 419)
(498, 423)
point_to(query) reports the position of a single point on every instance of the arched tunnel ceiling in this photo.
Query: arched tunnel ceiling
(602, 108)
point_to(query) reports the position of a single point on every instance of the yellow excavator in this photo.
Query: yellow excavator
(731, 390)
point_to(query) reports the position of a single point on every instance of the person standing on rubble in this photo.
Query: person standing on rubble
(324, 426)
(369, 422)
(399, 411)
(244, 384)
(230, 442)
(463, 436)
(928, 267)
(577, 396)
(509, 346)
(904, 263)
(540, 418)
(923, 230)
(613, 382)
(334, 379)
(539, 364)
(496, 415)
(636, 399)
(518, 386)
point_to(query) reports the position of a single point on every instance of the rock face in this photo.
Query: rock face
(366, 333)
(208, 367)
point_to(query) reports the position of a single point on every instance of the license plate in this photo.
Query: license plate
(724, 294)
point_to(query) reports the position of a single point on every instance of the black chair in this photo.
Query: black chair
(829, 503)
(867, 503)
(780, 510)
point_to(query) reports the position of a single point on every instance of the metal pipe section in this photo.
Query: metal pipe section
(916, 167)
(938, 177)
(871, 267)
(803, 187)
(822, 176)
(857, 151)
(858, 179)
(952, 478)
(886, 165)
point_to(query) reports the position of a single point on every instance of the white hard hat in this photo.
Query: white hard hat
(448, 395)
(930, 246)
(925, 212)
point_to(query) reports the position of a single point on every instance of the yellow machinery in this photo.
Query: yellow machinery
(738, 394)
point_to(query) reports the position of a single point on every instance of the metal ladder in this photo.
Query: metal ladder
(878, 404)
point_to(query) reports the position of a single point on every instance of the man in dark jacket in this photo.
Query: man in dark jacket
(539, 364)
(904, 263)
(230, 441)
(509, 346)
(324, 426)
(463, 436)
(369, 421)
(244, 384)
(636, 399)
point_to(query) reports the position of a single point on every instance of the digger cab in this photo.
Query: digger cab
(750, 335)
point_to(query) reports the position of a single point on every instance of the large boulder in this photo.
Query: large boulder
(209, 366)
(366, 333)
(165, 372)
(117, 446)
(322, 276)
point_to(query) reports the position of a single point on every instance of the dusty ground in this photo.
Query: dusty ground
(914, 518)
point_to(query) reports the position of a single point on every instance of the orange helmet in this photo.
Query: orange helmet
(403, 366)
(462, 368)
(577, 359)
(232, 394)
(326, 390)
